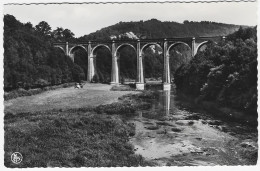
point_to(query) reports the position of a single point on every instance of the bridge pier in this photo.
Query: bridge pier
(140, 70)
(67, 49)
(193, 47)
(166, 68)
(91, 67)
(114, 73)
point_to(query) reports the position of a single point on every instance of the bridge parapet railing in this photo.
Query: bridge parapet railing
(144, 40)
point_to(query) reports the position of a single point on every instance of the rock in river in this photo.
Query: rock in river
(185, 122)
(152, 127)
(176, 129)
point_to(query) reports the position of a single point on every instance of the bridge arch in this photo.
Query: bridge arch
(200, 45)
(126, 64)
(98, 46)
(77, 46)
(124, 44)
(100, 65)
(61, 48)
(176, 44)
(149, 44)
(146, 64)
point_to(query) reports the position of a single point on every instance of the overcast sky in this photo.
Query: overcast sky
(83, 19)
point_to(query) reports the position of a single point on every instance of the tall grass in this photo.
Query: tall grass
(66, 139)
(84, 137)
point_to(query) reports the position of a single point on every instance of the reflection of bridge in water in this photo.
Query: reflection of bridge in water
(162, 106)
(166, 102)
(139, 46)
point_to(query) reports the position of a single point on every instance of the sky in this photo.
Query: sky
(83, 19)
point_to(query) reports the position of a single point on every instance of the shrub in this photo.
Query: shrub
(95, 79)
(122, 88)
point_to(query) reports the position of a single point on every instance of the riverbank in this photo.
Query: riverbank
(89, 136)
(22, 92)
(65, 98)
(221, 112)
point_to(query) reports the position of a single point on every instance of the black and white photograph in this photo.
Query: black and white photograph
(101, 84)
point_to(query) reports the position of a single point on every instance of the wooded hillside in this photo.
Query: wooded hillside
(225, 73)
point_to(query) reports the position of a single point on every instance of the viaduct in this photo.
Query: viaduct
(139, 45)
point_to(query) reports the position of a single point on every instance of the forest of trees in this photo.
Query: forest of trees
(29, 58)
(31, 61)
(225, 72)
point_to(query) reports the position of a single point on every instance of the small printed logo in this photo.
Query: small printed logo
(16, 157)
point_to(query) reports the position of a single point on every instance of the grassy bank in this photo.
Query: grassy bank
(22, 92)
(84, 137)
(128, 104)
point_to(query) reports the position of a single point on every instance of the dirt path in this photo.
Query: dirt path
(65, 98)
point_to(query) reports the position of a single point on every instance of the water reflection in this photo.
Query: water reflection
(174, 132)
(140, 114)
(166, 102)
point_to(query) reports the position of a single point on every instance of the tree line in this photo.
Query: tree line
(29, 58)
(225, 73)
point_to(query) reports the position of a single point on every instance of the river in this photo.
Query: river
(175, 133)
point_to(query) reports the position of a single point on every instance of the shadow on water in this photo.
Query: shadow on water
(174, 132)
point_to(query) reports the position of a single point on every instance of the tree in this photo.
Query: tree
(58, 33)
(10, 22)
(67, 34)
(28, 25)
(186, 22)
(61, 34)
(43, 28)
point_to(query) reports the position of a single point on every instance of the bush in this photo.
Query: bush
(95, 79)
(116, 108)
(122, 88)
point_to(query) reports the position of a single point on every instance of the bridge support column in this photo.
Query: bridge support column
(166, 68)
(140, 71)
(67, 52)
(67, 49)
(193, 47)
(114, 73)
(91, 68)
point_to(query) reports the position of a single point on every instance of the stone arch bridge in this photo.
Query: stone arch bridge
(139, 45)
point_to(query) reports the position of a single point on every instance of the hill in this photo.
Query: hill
(157, 29)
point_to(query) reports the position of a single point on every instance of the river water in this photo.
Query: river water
(175, 133)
